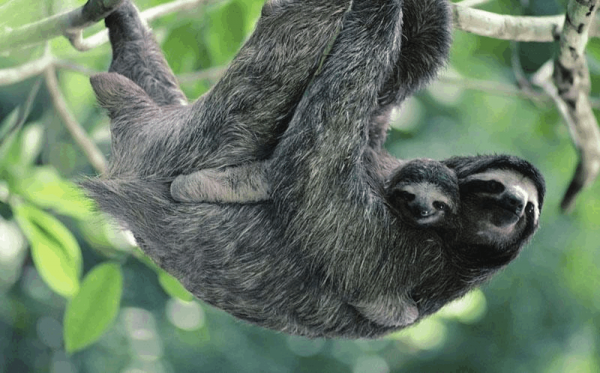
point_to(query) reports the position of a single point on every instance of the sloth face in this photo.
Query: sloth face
(499, 207)
(424, 193)
(424, 204)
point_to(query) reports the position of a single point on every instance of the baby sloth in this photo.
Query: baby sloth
(423, 192)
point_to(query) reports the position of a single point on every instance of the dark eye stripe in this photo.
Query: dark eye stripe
(483, 186)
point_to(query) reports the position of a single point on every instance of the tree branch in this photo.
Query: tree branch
(572, 79)
(89, 148)
(148, 15)
(70, 24)
(505, 27)
(60, 24)
(517, 28)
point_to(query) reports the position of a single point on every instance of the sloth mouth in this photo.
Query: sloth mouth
(427, 220)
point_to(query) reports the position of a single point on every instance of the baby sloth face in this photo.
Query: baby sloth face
(424, 193)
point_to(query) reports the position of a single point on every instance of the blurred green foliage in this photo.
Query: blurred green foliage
(68, 277)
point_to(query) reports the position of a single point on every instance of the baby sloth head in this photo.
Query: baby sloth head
(424, 193)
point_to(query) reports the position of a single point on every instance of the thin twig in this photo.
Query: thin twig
(18, 74)
(522, 80)
(68, 65)
(492, 87)
(90, 149)
(507, 90)
(25, 71)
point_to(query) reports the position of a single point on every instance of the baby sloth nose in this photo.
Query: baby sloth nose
(423, 212)
(421, 209)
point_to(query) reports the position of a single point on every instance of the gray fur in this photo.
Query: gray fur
(325, 256)
(422, 192)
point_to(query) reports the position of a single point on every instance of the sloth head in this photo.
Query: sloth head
(501, 200)
(424, 193)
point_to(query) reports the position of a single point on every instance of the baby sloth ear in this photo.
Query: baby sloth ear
(119, 95)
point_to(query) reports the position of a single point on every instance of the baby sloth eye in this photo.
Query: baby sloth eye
(441, 206)
(406, 195)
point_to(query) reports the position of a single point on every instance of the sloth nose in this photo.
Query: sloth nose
(515, 203)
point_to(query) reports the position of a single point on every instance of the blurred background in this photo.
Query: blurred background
(538, 315)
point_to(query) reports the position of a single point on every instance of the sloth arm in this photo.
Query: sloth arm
(240, 119)
(425, 45)
(327, 137)
(137, 56)
(320, 168)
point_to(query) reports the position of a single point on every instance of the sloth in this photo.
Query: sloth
(422, 192)
(326, 255)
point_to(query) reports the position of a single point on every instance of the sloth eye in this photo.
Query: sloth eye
(441, 206)
(405, 195)
(529, 208)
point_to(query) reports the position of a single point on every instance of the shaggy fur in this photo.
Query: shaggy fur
(423, 192)
(325, 256)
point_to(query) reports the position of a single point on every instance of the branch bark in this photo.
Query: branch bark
(148, 15)
(505, 27)
(517, 28)
(572, 79)
(60, 24)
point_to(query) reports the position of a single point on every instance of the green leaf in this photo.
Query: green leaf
(55, 252)
(23, 147)
(173, 287)
(45, 187)
(32, 141)
(92, 311)
(32, 136)
(8, 139)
